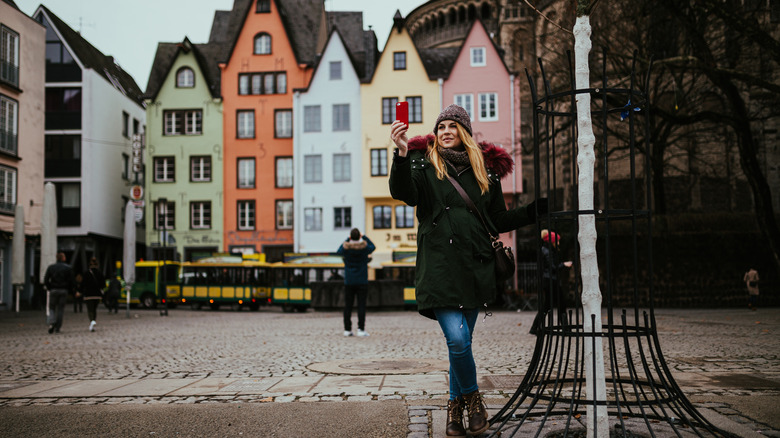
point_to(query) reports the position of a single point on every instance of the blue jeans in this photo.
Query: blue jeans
(458, 327)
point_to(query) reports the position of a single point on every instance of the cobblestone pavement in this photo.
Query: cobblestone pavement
(737, 349)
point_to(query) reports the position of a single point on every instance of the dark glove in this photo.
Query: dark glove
(539, 207)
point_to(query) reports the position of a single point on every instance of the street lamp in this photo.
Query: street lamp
(162, 204)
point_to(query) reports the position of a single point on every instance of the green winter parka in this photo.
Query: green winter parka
(455, 261)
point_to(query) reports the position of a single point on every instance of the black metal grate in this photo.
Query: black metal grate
(642, 397)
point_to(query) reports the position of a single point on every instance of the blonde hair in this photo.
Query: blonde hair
(475, 157)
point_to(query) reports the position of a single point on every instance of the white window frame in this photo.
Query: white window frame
(345, 219)
(284, 176)
(284, 214)
(246, 173)
(9, 53)
(9, 124)
(283, 123)
(341, 116)
(312, 169)
(488, 111)
(182, 122)
(478, 56)
(415, 108)
(166, 212)
(200, 215)
(185, 78)
(245, 210)
(466, 101)
(262, 44)
(164, 169)
(378, 162)
(245, 124)
(342, 168)
(335, 71)
(312, 219)
(8, 187)
(312, 118)
(200, 168)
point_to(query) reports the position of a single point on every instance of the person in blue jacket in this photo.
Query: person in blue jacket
(355, 252)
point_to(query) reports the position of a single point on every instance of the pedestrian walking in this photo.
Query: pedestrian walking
(355, 251)
(113, 292)
(93, 284)
(751, 281)
(552, 294)
(59, 281)
(455, 271)
(78, 297)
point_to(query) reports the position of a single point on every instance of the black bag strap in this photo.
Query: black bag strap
(470, 204)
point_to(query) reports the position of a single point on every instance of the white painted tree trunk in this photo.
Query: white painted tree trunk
(591, 295)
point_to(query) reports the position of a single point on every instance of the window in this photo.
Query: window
(284, 172)
(378, 162)
(404, 216)
(164, 169)
(388, 110)
(312, 218)
(399, 60)
(382, 217)
(245, 121)
(284, 214)
(200, 215)
(62, 156)
(9, 122)
(342, 170)
(262, 83)
(9, 56)
(200, 168)
(342, 217)
(7, 189)
(312, 169)
(415, 109)
(488, 107)
(467, 102)
(185, 78)
(335, 70)
(341, 117)
(164, 216)
(246, 173)
(183, 122)
(136, 126)
(63, 108)
(263, 6)
(125, 125)
(68, 204)
(312, 118)
(283, 123)
(478, 57)
(262, 44)
(125, 166)
(246, 215)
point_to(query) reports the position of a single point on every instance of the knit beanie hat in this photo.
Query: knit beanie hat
(456, 113)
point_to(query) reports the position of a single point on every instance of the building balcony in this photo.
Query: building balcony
(8, 142)
(63, 120)
(9, 73)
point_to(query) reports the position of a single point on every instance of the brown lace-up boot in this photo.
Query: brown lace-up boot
(478, 419)
(455, 418)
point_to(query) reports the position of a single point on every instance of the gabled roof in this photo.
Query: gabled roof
(11, 2)
(437, 61)
(495, 46)
(335, 32)
(301, 20)
(92, 58)
(206, 55)
(361, 44)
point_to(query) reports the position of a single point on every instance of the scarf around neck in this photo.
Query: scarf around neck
(457, 159)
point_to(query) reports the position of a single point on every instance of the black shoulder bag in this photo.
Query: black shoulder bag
(505, 260)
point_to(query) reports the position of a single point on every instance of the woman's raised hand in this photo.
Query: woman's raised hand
(398, 135)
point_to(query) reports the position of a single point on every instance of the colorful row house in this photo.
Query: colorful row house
(305, 101)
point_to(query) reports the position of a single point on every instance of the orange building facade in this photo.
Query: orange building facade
(258, 80)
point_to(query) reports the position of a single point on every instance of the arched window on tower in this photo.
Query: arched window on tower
(485, 11)
(441, 20)
(461, 14)
(452, 16)
(472, 13)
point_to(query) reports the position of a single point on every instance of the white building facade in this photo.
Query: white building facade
(327, 150)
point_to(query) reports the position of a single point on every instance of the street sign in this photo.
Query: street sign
(136, 193)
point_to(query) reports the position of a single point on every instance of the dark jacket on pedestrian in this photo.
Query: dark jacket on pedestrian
(92, 284)
(60, 276)
(356, 260)
(551, 264)
(455, 261)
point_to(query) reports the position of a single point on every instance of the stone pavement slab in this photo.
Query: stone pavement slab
(149, 387)
(35, 388)
(84, 388)
(348, 385)
(207, 386)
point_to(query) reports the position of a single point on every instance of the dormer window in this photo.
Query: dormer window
(263, 6)
(399, 60)
(478, 57)
(262, 44)
(185, 78)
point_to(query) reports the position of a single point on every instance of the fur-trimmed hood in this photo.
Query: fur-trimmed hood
(353, 245)
(496, 158)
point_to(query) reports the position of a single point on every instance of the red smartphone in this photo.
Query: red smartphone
(402, 112)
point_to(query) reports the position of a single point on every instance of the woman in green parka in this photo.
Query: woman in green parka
(454, 276)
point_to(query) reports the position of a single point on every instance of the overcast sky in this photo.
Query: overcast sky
(130, 30)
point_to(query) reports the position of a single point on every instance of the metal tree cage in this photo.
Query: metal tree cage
(642, 397)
